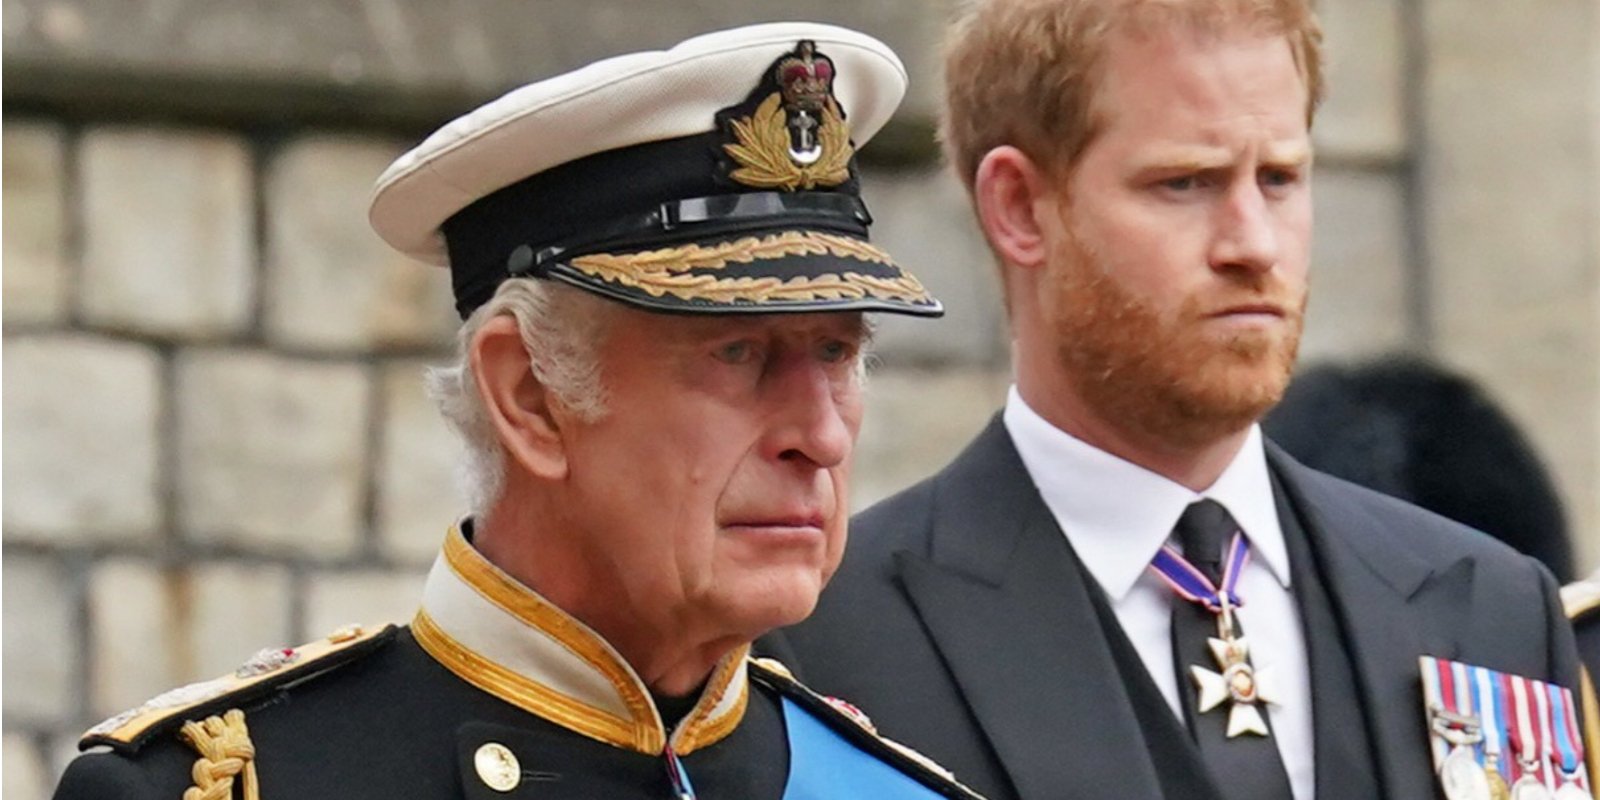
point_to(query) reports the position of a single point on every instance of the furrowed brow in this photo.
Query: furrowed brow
(1295, 153)
(1184, 159)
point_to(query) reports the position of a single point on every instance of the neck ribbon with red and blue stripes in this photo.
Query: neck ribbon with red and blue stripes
(1191, 584)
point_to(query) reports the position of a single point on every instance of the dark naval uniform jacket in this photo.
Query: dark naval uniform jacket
(491, 692)
(963, 622)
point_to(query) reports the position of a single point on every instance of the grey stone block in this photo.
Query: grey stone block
(272, 451)
(916, 421)
(410, 59)
(331, 283)
(81, 455)
(1363, 115)
(26, 776)
(168, 232)
(1512, 188)
(1360, 297)
(924, 220)
(417, 495)
(40, 642)
(137, 643)
(236, 610)
(335, 599)
(35, 197)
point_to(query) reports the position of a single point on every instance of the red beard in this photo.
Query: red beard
(1172, 379)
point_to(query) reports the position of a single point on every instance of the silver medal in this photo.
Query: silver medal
(1530, 788)
(1461, 776)
(1572, 791)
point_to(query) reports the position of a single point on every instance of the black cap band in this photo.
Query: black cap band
(698, 216)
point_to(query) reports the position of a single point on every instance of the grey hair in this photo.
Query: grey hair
(561, 328)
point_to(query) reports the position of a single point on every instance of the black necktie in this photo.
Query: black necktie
(1247, 766)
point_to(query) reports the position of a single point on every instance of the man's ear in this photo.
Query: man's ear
(521, 409)
(1012, 195)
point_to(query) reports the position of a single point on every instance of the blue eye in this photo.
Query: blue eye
(1279, 177)
(1182, 183)
(835, 351)
(736, 352)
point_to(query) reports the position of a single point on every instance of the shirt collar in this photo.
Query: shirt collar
(507, 640)
(1117, 514)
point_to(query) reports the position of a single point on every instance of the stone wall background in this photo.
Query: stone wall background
(215, 434)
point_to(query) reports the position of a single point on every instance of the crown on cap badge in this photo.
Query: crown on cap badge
(797, 137)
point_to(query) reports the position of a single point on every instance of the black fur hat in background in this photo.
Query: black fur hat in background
(1408, 428)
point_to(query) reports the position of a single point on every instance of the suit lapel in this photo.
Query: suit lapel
(1392, 605)
(1004, 602)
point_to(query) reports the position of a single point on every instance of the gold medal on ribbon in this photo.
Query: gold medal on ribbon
(1498, 788)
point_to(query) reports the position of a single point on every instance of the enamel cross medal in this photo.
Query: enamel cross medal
(1235, 680)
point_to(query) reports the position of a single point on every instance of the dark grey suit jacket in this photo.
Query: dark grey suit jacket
(959, 622)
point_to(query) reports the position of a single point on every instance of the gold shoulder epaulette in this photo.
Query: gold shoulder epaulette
(264, 672)
(1581, 597)
(857, 726)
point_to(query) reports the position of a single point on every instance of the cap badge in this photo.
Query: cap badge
(797, 137)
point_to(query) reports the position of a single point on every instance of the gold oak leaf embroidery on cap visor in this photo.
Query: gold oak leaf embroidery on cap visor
(664, 271)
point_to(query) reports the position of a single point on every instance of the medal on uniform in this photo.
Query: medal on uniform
(1529, 787)
(1532, 782)
(1498, 788)
(1572, 791)
(1457, 731)
(1460, 774)
(1571, 776)
(1500, 736)
(1489, 712)
(1235, 680)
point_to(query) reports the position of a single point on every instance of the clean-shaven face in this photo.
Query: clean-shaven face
(714, 489)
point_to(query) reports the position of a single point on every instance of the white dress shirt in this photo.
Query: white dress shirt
(1116, 515)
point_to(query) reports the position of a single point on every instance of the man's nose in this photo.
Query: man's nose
(1245, 236)
(809, 421)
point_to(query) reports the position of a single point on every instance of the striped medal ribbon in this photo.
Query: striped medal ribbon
(1491, 710)
(1571, 776)
(1533, 778)
(1457, 731)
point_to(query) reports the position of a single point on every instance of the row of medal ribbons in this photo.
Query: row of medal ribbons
(1497, 736)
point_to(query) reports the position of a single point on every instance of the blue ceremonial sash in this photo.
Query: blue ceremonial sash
(823, 765)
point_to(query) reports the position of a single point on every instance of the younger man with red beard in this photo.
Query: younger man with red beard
(1062, 611)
